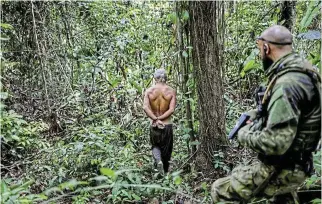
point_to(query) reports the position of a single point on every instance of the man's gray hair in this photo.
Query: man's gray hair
(160, 75)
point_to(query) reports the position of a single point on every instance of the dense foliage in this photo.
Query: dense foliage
(73, 75)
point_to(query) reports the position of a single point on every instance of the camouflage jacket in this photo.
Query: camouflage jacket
(292, 122)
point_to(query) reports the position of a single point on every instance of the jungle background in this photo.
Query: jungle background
(73, 76)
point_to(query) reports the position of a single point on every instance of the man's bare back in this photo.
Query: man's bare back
(160, 99)
(159, 105)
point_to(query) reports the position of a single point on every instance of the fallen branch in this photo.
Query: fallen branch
(188, 160)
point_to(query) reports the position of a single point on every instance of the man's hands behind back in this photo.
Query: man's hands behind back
(158, 123)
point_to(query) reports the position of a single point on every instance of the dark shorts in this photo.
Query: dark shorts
(163, 139)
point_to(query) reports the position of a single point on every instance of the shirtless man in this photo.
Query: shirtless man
(159, 105)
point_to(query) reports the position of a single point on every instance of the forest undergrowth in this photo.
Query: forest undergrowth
(102, 159)
(98, 158)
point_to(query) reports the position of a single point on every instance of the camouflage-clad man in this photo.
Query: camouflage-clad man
(284, 134)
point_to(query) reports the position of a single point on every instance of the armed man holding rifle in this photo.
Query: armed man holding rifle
(284, 131)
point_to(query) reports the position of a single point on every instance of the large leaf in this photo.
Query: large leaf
(250, 65)
(312, 11)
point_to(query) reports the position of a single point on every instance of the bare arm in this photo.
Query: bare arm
(147, 107)
(172, 106)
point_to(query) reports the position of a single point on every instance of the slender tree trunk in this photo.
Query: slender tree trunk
(186, 72)
(287, 16)
(207, 41)
(185, 68)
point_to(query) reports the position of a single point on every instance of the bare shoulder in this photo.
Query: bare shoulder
(171, 90)
(150, 90)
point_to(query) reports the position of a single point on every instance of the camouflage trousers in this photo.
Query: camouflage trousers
(244, 180)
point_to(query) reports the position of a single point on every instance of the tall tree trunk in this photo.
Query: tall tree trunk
(207, 42)
(287, 16)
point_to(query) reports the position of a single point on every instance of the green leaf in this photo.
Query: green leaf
(177, 180)
(5, 191)
(99, 178)
(6, 26)
(18, 190)
(242, 73)
(71, 184)
(311, 12)
(136, 197)
(195, 143)
(249, 66)
(115, 191)
(130, 177)
(107, 172)
(136, 86)
(42, 196)
(185, 15)
(184, 54)
(176, 173)
(173, 17)
(186, 136)
(51, 190)
(4, 38)
(114, 82)
(4, 187)
(204, 185)
(316, 201)
(125, 193)
(15, 137)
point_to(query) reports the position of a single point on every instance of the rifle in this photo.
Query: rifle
(259, 94)
(241, 123)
